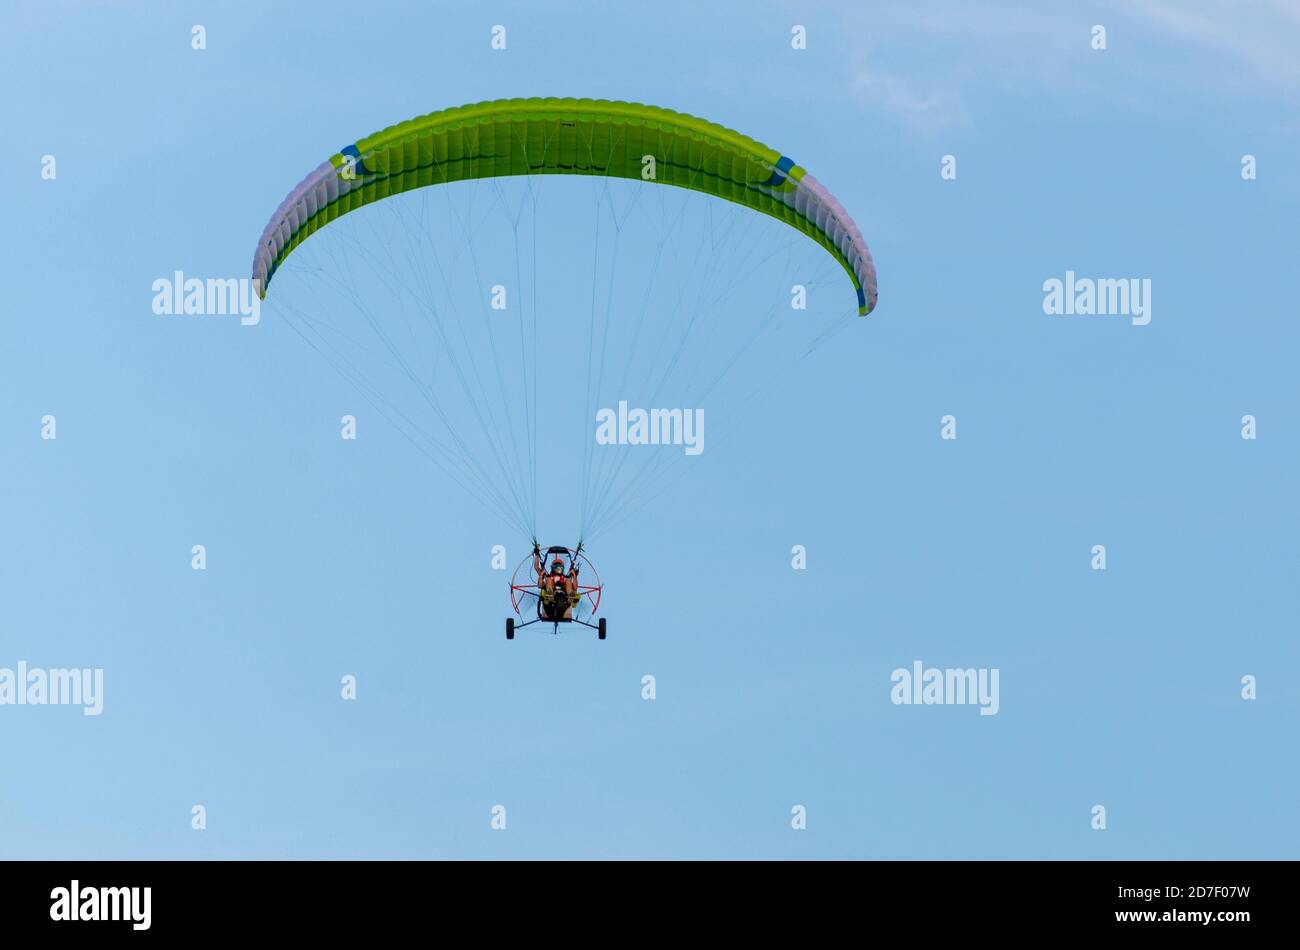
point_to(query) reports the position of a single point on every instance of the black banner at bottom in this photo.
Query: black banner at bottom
(373, 899)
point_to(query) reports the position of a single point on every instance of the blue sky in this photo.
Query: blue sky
(329, 558)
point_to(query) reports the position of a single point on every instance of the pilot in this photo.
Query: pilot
(556, 579)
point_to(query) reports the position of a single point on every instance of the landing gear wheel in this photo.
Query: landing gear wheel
(600, 629)
(510, 628)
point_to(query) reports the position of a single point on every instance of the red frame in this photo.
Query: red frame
(593, 591)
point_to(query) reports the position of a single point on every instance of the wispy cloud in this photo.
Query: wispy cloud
(1261, 39)
(927, 109)
(921, 64)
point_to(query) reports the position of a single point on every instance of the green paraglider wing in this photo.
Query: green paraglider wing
(566, 137)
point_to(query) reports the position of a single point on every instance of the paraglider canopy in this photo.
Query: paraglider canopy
(499, 246)
(506, 137)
